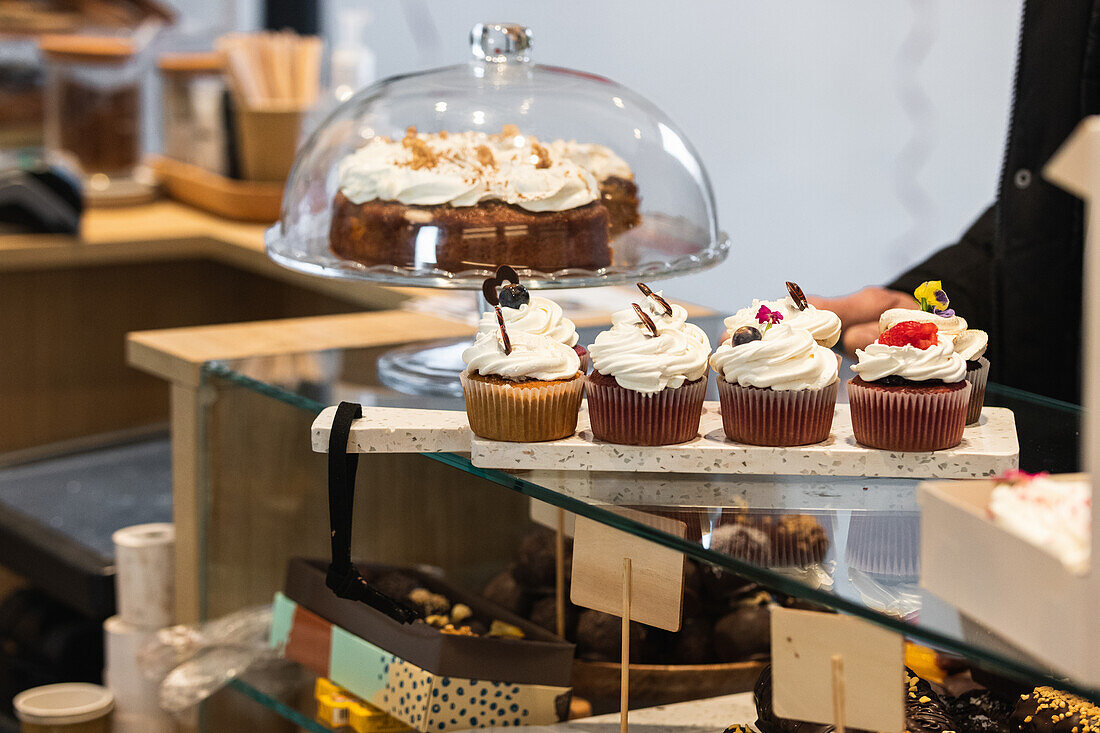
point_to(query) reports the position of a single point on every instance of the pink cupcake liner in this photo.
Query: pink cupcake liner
(886, 547)
(623, 416)
(776, 418)
(523, 412)
(908, 418)
(977, 378)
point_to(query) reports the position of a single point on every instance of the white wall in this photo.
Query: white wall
(796, 109)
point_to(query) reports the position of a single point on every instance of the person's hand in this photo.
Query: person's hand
(859, 313)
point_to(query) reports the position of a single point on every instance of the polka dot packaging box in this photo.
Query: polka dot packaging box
(430, 680)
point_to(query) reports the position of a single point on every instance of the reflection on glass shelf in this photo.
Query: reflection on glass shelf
(863, 554)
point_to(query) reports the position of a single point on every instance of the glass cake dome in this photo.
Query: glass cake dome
(436, 178)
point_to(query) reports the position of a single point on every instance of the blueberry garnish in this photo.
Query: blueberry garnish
(745, 334)
(513, 296)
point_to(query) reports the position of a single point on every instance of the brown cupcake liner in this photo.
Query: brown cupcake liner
(977, 378)
(907, 418)
(776, 418)
(885, 547)
(623, 416)
(522, 412)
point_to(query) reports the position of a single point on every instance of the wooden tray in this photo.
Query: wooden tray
(254, 201)
(660, 684)
(988, 448)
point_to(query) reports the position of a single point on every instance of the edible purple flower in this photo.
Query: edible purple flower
(768, 316)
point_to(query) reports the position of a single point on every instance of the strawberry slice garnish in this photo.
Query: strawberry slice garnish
(911, 333)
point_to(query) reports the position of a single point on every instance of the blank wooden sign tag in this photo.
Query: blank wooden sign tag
(657, 590)
(805, 648)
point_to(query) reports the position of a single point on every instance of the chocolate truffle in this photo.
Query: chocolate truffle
(504, 591)
(544, 613)
(694, 643)
(743, 542)
(798, 539)
(743, 634)
(599, 636)
(536, 560)
(1046, 710)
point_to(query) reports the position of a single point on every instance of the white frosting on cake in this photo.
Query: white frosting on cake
(462, 169)
(938, 361)
(785, 358)
(541, 316)
(532, 357)
(823, 324)
(645, 363)
(1053, 515)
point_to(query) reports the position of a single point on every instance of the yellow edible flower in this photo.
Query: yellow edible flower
(931, 297)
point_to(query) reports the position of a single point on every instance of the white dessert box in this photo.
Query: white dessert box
(1016, 589)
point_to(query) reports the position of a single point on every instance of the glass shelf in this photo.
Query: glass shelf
(856, 573)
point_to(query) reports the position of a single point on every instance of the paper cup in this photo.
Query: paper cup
(908, 418)
(522, 412)
(623, 416)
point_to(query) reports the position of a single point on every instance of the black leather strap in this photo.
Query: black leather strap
(343, 577)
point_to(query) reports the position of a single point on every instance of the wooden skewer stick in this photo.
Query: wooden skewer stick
(624, 680)
(838, 692)
(559, 576)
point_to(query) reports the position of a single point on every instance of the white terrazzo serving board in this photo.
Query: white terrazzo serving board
(988, 448)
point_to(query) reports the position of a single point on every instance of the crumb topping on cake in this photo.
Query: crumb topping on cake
(465, 168)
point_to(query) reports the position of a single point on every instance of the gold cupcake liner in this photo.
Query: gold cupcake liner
(522, 412)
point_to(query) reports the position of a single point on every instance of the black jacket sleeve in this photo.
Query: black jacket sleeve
(965, 269)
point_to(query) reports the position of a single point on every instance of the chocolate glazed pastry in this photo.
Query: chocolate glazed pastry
(1046, 710)
(925, 710)
(980, 712)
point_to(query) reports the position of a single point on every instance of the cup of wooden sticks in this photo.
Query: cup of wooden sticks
(275, 79)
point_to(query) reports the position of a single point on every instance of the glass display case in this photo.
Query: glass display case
(863, 534)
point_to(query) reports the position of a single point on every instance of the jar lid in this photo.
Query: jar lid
(67, 703)
(207, 62)
(91, 49)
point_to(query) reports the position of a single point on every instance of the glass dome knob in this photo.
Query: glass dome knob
(499, 43)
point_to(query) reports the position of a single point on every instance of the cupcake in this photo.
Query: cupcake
(649, 375)
(523, 387)
(911, 392)
(970, 343)
(527, 313)
(796, 311)
(777, 385)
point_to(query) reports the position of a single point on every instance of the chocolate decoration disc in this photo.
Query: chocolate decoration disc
(645, 319)
(646, 291)
(797, 296)
(505, 273)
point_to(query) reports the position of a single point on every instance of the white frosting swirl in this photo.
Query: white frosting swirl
(469, 167)
(541, 316)
(786, 358)
(648, 364)
(938, 361)
(951, 325)
(532, 357)
(822, 324)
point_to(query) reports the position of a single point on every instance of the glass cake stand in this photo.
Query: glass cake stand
(618, 134)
